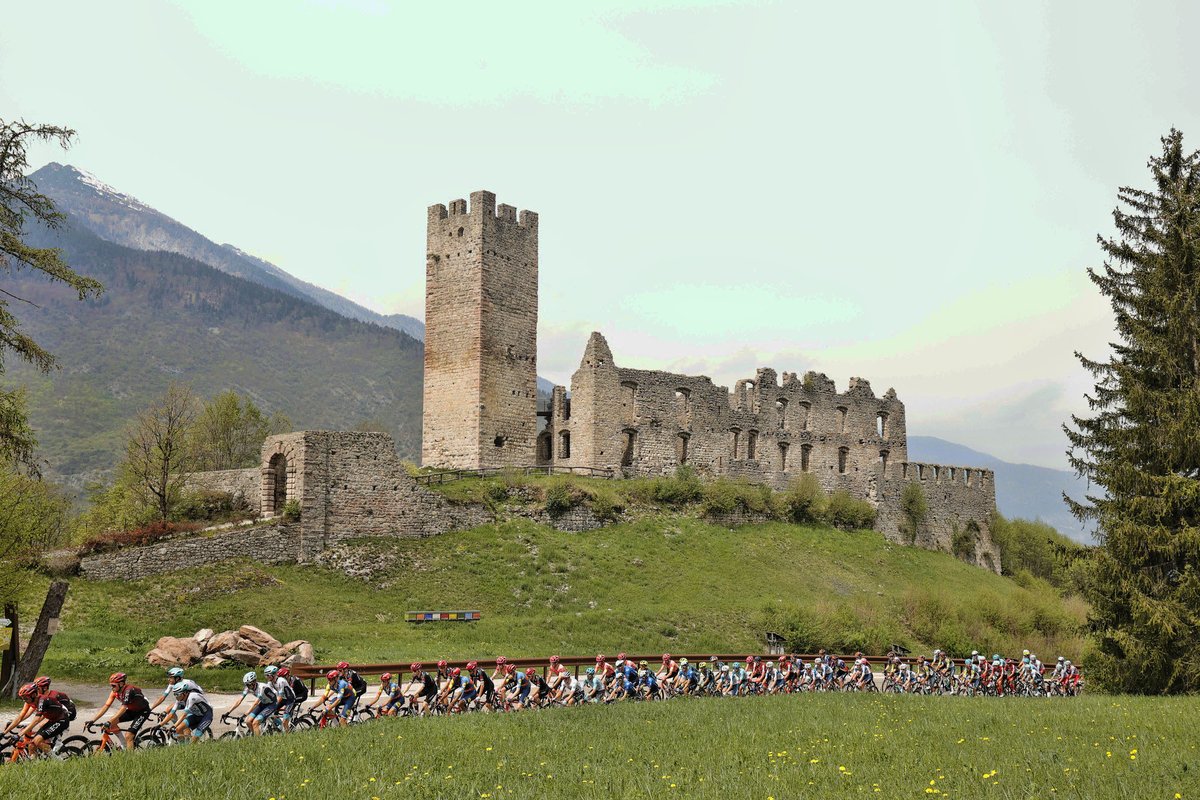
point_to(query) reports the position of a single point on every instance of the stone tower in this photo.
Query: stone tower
(481, 302)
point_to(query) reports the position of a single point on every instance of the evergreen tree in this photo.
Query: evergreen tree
(1142, 444)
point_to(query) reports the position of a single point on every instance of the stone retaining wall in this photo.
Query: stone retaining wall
(241, 483)
(271, 544)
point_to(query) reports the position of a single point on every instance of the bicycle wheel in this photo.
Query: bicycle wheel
(71, 751)
(77, 741)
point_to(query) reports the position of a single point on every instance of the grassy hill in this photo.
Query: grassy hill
(165, 317)
(763, 748)
(663, 583)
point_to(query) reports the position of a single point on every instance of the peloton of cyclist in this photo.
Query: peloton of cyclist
(51, 712)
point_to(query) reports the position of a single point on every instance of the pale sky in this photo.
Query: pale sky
(907, 192)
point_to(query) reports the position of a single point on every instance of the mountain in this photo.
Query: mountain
(168, 317)
(125, 220)
(1022, 490)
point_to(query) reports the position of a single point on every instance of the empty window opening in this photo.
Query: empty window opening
(967, 477)
(781, 408)
(499, 441)
(805, 457)
(566, 407)
(883, 458)
(628, 395)
(629, 442)
(920, 472)
(277, 467)
(805, 414)
(882, 425)
(683, 400)
(783, 448)
(681, 448)
(460, 233)
(734, 435)
(544, 447)
(843, 452)
(751, 444)
(841, 419)
(564, 444)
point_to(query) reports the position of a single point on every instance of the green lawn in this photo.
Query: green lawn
(668, 583)
(763, 748)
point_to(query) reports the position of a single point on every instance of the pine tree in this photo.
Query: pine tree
(1142, 446)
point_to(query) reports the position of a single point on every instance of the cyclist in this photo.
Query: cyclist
(647, 684)
(52, 713)
(486, 687)
(283, 691)
(266, 700)
(669, 670)
(426, 687)
(517, 687)
(462, 691)
(863, 677)
(196, 711)
(358, 684)
(500, 676)
(174, 676)
(338, 697)
(299, 694)
(593, 689)
(723, 683)
(135, 709)
(605, 671)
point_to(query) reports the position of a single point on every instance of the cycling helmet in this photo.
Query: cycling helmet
(284, 672)
(666, 657)
(620, 656)
(115, 679)
(270, 671)
(1060, 658)
(472, 665)
(1068, 663)
(250, 677)
(1024, 652)
(772, 663)
(554, 659)
(724, 668)
(529, 673)
(415, 666)
(175, 672)
(590, 670)
(712, 658)
(27, 692)
(342, 665)
(42, 683)
(599, 658)
(501, 661)
(330, 676)
(454, 673)
(920, 658)
(683, 662)
(442, 664)
(181, 688)
(974, 653)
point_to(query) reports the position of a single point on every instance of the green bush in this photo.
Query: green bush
(560, 497)
(849, 513)
(291, 511)
(680, 489)
(206, 505)
(1036, 547)
(805, 500)
(724, 496)
(915, 510)
(962, 541)
(606, 504)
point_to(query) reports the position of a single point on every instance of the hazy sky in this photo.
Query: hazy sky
(908, 192)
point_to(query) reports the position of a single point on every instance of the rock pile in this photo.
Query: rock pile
(247, 645)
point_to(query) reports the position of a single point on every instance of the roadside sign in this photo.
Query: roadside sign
(5, 622)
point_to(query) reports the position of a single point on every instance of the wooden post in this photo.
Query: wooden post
(46, 627)
(12, 655)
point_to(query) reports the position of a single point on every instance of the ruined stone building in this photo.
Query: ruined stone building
(481, 397)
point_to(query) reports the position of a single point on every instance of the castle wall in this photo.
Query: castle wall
(243, 484)
(480, 389)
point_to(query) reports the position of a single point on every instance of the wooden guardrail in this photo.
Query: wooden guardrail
(445, 476)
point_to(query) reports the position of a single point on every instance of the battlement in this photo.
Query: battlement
(970, 477)
(483, 203)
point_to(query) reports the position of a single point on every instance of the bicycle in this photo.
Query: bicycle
(111, 739)
(160, 735)
(23, 749)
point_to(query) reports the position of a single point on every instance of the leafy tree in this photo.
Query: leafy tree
(21, 203)
(1141, 447)
(229, 432)
(158, 453)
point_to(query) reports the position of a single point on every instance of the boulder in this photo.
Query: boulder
(276, 655)
(211, 662)
(225, 640)
(248, 657)
(261, 639)
(291, 646)
(203, 635)
(304, 654)
(160, 659)
(180, 652)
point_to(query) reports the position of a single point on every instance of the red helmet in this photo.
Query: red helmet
(620, 656)
(472, 665)
(116, 678)
(553, 659)
(442, 664)
(332, 675)
(42, 683)
(600, 658)
(509, 669)
(415, 666)
(454, 673)
(27, 692)
(666, 657)
(284, 672)
(529, 673)
(501, 661)
(385, 677)
(342, 665)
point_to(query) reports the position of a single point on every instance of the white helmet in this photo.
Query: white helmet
(250, 677)
(270, 670)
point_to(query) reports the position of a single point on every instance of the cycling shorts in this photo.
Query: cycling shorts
(394, 701)
(261, 711)
(346, 705)
(136, 717)
(199, 723)
(469, 695)
(52, 730)
(524, 696)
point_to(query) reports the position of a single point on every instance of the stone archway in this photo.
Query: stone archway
(278, 468)
(280, 480)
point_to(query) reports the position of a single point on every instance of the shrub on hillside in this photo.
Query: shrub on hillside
(849, 513)
(291, 511)
(962, 540)
(561, 496)
(1037, 548)
(147, 534)
(805, 500)
(605, 503)
(724, 496)
(914, 510)
(207, 505)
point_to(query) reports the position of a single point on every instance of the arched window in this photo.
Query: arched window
(783, 448)
(277, 468)
(564, 444)
(805, 416)
(629, 443)
(882, 425)
(681, 448)
(751, 444)
(805, 457)
(544, 449)
(781, 405)
(734, 435)
(843, 453)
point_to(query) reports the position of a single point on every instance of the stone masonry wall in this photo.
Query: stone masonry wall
(241, 483)
(272, 544)
(480, 389)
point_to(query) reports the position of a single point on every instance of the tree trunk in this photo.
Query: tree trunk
(13, 654)
(47, 625)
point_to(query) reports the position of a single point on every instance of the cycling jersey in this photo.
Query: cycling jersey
(283, 691)
(195, 689)
(50, 706)
(197, 713)
(299, 688)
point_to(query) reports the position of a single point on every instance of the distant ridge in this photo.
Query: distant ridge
(123, 219)
(1022, 490)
